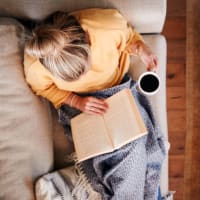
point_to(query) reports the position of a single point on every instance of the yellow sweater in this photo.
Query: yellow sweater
(111, 38)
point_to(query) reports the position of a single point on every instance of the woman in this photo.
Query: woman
(82, 52)
(76, 61)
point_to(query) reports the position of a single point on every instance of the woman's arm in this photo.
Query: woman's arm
(42, 84)
(139, 48)
(90, 105)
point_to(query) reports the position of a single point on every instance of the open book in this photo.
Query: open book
(98, 134)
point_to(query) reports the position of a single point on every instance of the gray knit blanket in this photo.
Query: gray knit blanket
(133, 171)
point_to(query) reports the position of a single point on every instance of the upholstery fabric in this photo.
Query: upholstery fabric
(26, 149)
(147, 16)
(26, 144)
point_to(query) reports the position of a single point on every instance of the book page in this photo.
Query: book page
(123, 119)
(90, 136)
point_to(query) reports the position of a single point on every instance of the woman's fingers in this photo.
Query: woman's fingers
(149, 58)
(97, 106)
(93, 110)
(93, 106)
(152, 64)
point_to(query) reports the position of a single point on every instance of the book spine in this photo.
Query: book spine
(107, 134)
(137, 112)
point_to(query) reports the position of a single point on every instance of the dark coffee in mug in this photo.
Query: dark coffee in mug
(149, 83)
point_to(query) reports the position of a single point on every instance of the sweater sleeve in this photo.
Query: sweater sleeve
(41, 83)
(109, 21)
(53, 94)
(132, 38)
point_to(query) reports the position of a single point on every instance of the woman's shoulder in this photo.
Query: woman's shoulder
(35, 72)
(33, 64)
(101, 18)
(96, 11)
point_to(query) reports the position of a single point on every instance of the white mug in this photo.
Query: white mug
(148, 83)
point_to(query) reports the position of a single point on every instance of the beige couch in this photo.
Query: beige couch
(32, 142)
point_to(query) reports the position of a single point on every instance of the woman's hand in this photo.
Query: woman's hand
(148, 58)
(90, 105)
(146, 55)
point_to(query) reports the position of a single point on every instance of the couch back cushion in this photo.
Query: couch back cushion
(147, 16)
(26, 149)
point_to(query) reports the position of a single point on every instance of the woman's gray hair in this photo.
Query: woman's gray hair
(62, 46)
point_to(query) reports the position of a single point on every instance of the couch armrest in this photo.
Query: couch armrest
(158, 45)
(147, 16)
